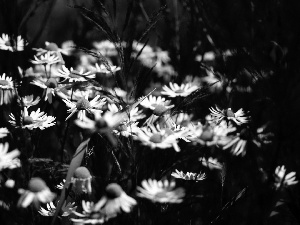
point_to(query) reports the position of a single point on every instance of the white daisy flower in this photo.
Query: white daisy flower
(3, 132)
(284, 179)
(6, 82)
(83, 104)
(7, 91)
(81, 180)
(188, 176)
(28, 101)
(106, 48)
(8, 159)
(47, 59)
(228, 115)
(88, 216)
(51, 208)
(132, 116)
(36, 119)
(108, 70)
(175, 90)
(73, 75)
(38, 192)
(11, 44)
(211, 163)
(49, 87)
(161, 191)
(152, 102)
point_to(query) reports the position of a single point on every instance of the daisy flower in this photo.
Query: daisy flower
(211, 163)
(47, 59)
(28, 101)
(152, 102)
(127, 129)
(175, 90)
(73, 75)
(88, 216)
(36, 119)
(284, 179)
(106, 48)
(7, 91)
(11, 44)
(154, 137)
(228, 115)
(132, 116)
(161, 191)
(51, 208)
(49, 87)
(38, 192)
(8, 159)
(81, 180)
(109, 69)
(188, 176)
(83, 104)
(3, 132)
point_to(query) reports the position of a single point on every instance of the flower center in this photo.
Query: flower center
(27, 120)
(113, 190)
(82, 173)
(179, 91)
(156, 138)
(36, 185)
(4, 82)
(83, 104)
(207, 134)
(229, 113)
(51, 83)
(159, 110)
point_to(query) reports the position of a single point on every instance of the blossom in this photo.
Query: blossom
(51, 208)
(36, 119)
(127, 129)
(227, 114)
(47, 59)
(38, 192)
(211, 163)
(188, 176)
(8, 159)
(11, 44)
(107, 69)
(49, 87)
(83, 104)
(175, 90)
(106, 48)
(284, 179)
(132, 115)
(161, 191)
(6, 82)
(3, 132)
(82, 181)
(28, 101)
(73, 75)
(7, 91)
(152, 102)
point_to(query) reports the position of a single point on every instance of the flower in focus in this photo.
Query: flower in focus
(28, 101)
(36, 119)
(228, 115)
(161, 191)
(38, 192)
(8, 159)
(7, 91)
(82, 181)
(11, 44)
(175, 90)
(47, 59)
(3, 132)
(211, 163)
(284, 179)
(73, 75)
(49, 87)
(188, 175)
(83, 104)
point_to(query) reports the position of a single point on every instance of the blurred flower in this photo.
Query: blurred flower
(107, 69)
(82, 181)
(11, 44)
(73, 75)
(88, 216)
(175, 90)
(152, 102)
(188, 175)
(28, 101)
(37, 193)
(51, 208)
(49, 87)
(211, 163)
(127, 129)
(3, 132)
(36, 119)
(132, 116)
(284, 179)
(61, 185)
(228, 115)
(7, 91)
(216, 83)
(161, 191)
(106, 48)
(10, 183)
(83, 105)
(47, 59)
(8, 159)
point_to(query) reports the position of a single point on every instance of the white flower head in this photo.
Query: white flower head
(49, 86)
(284, 179)
(47, 59)
(28, 101)
(82, 181)
(8, 159)
(211, 163)
(219, 115)
(106, 69)
(175, 90)
(6, 82)
(73, 75)
(161, 191)
(189, 175)
(7, 91)
(11, 44)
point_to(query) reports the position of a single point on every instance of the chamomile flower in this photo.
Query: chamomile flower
(188, 176)
(82, 181)
(51, 208)
(175, 90)
(6, 82)
(219, 115)
(284, 179)
(7, 91)
(106, 48)
(152, 102)
(73, 75)
(132, 116)
(161, 191)
(38, 192)
(47, 59)
(8, 159)
(127, 129)
(28, 101)
(108, 69)
(36, 119)
(88, 216)
(211, 163)
(49, 87)
(83, 105)
(11, 44)
(3, 132)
